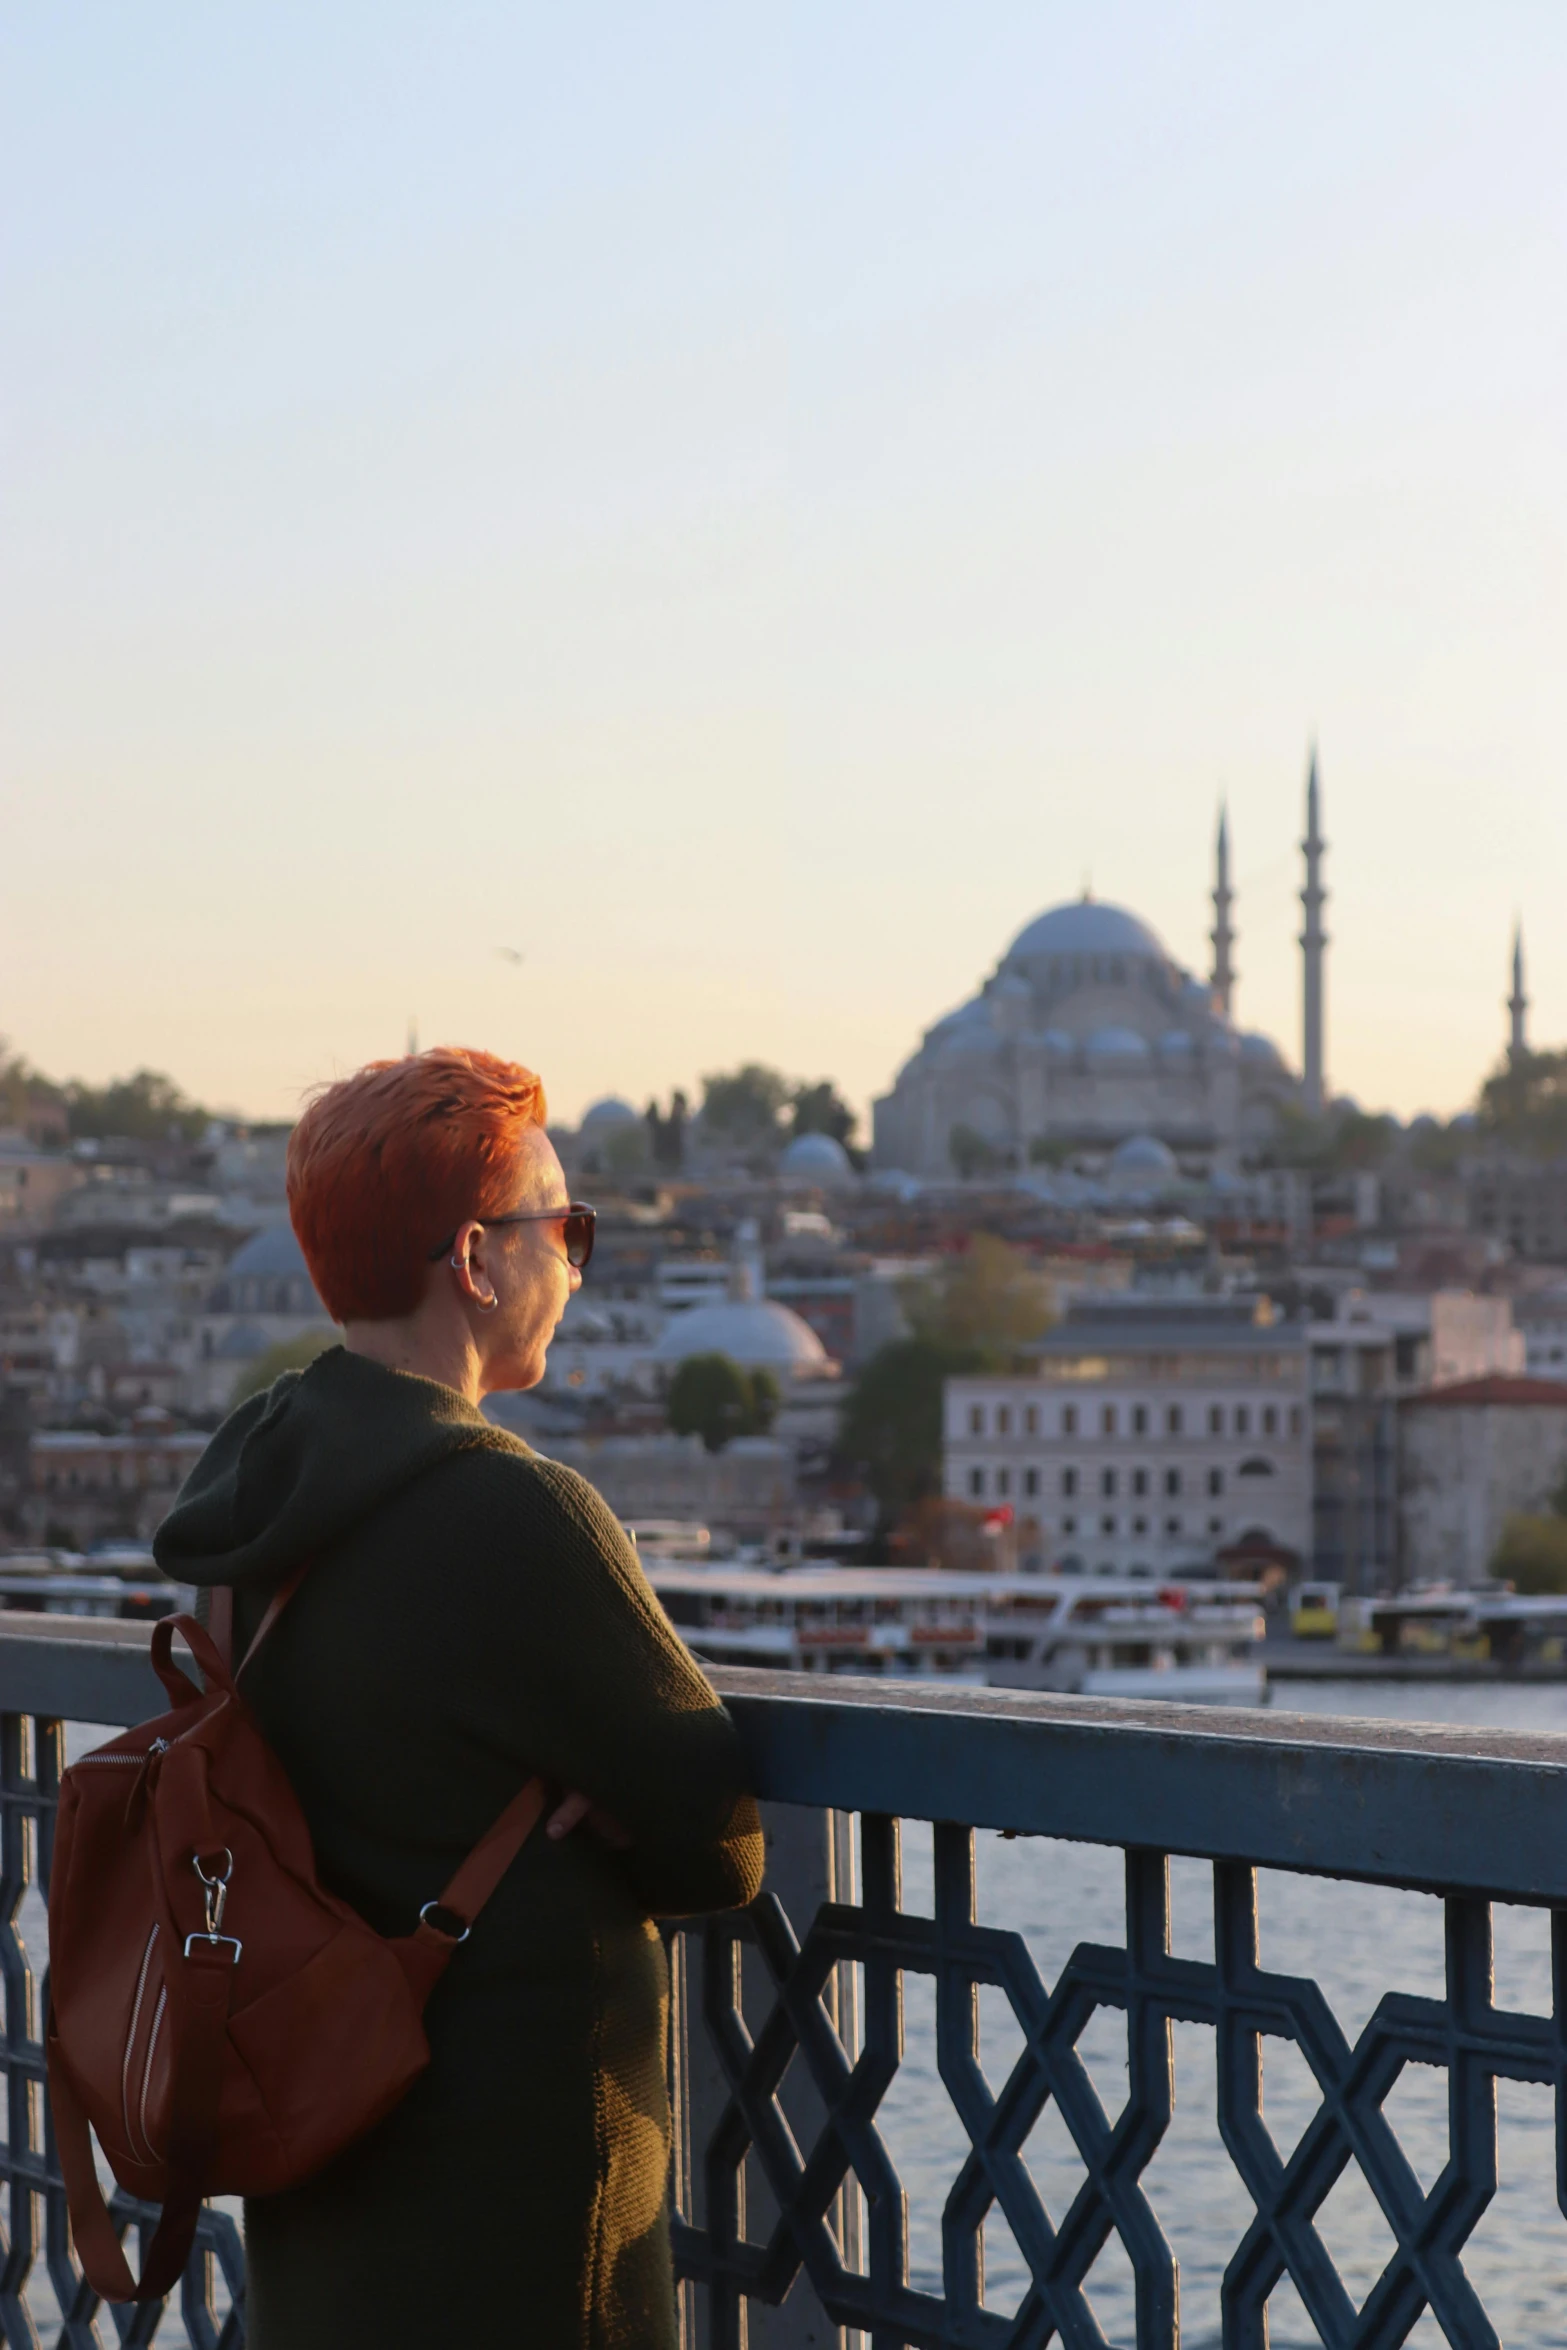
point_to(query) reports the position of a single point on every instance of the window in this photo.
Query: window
(1294, 1419)
(1069, 1525)
(1069, 1481)
(1172, 1525)
(976, 1419)
(1172, 1480)
(1242, 1420)
(1140, 1419)
(1069, 1420)
(1215, 1419)
(1003, 1481)
(1004, 1420)
(1139, 1525)
(1139, 1480)
(1255, 1467)
(1270, 1420)
(976, 1483)
(1216, 1525)
(1107, 1420)
(1215, 1480)
(1107, 1525)
(1107, 1483)
(1031, 1420)
(1030, 1481)
(1172, 1420)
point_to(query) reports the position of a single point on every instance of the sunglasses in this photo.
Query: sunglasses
(578, 1224)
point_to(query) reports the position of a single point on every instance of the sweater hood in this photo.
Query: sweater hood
(291, 1471)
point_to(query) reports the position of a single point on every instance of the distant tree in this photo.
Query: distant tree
(1532, 1553)
(744, 1107)
(1524, 1104)
(821, 1109)
(289, 1354)
(890, 1434)
(667, 1133)
(148, 1107)
(992, 1296)
(713, 1397)
(973, 1153)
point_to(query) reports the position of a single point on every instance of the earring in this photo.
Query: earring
(487, 1305)
(456, 1264)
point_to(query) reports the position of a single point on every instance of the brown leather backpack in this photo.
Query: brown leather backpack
(224, 2023)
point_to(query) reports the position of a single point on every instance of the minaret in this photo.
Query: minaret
(1313, 941)
(1224, 974)
(1517, 1005)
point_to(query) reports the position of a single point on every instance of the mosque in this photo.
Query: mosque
(1090, 1035)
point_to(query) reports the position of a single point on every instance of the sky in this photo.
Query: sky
(745, 507)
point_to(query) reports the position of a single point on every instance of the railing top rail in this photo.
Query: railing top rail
(1458, 1810)
(1451, 1810)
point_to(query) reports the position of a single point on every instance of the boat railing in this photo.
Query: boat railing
(789, 2053)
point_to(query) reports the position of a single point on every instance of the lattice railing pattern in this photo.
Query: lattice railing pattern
(58, 2305)
(1463, 2032)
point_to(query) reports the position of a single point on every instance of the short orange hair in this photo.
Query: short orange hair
(385, 1163)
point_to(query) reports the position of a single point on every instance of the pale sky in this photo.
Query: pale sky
(747, 507)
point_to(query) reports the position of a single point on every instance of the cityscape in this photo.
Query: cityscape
(1024, 1323)
(783, 1177)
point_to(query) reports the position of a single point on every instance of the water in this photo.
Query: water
(1357, 1942)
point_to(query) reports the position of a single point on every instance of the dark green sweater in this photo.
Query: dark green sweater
(474, 1614)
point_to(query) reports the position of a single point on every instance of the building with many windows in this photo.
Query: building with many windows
(1148, 1436)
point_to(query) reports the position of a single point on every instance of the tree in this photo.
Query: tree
(148, 1107)
(289, 1354)
(712, 1397)
(1532, 1553)
(891, 1429)
(972, 1154)
(744, 1107)
(992, 1296)
(821, 1109)
(1524, 1104)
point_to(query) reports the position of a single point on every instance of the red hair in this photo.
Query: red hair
(384, 1164)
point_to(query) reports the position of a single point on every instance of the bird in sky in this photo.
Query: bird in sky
(511, 954)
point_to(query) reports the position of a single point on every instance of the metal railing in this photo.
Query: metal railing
(792, 2225)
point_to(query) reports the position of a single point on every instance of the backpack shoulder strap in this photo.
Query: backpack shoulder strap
(220, 1617)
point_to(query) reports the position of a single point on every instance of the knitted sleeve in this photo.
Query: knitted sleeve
(602, 1695)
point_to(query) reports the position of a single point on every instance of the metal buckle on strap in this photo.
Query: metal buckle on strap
(219, 1941)
(455, 1932)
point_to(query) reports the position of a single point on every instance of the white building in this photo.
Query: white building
(1471, 1455)
(1150, 1436)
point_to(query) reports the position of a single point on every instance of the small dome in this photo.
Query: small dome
(603, 1116)
(1261, 1052)
(271, 1253)
(1117, 1044)
(1087, 928)
(1058, 1044)
(967, 1031)
(1176, 1045)
(1143, 1154)
(817, 1158)
(757, 1333)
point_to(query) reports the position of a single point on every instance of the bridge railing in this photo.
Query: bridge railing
(789, 2049)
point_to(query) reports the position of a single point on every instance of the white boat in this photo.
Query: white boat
(1100, 1636)
(1124, 1636)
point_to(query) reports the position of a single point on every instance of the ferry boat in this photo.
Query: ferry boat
(1099, 1636)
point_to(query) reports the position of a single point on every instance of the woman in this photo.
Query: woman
(472, 1615)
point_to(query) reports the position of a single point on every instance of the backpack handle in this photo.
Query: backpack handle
(181, 1688)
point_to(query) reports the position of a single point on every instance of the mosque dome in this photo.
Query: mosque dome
(817, 1158)
(602, 1117)
(1144, 1155)
(267, 1276)
(967, 1031)
(1117, 1044)
(1087, 928)
(1059, 1044)
(1261, 1052)
(756, 1332)
(1175, 1045)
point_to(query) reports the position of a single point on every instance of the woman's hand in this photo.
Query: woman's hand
(574, 1809)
